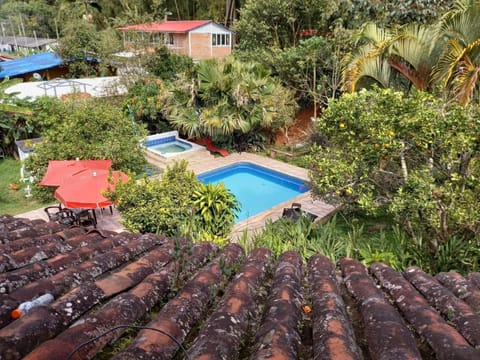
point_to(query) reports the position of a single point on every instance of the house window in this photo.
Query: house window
(155, 38)
(220, 39)
(168, 39)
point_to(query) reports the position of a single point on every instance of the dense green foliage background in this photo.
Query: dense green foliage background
(85, 129)
(177, 205)
(395, 96)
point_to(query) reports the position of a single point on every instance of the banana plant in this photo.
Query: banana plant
(12, 116)
(8, 101)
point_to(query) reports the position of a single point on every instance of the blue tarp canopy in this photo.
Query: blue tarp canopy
(29, 64)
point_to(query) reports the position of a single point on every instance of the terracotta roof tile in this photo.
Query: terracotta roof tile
(125, 308)
(12, 228)
(474, 278)
(386, 333)
(333, 333)
(445, 341)
(219, 303)
(180, 314)
(279, 334)
(453, 308)
(462, 288)
(235, 312)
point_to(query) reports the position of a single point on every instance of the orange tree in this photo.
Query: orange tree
(413, 156)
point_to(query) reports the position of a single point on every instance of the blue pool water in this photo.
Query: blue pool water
(172, 147)
(257, 188)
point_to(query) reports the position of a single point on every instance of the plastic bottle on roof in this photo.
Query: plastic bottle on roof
(26, 306)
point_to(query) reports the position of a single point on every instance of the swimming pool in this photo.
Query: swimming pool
(171, 147)
(256, 187)
(168, 144)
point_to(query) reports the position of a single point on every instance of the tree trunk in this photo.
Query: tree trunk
(403, 163)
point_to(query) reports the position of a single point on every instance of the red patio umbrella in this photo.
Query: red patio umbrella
(58, 170)
(84, 189)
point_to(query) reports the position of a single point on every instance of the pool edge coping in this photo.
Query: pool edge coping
(257, 222)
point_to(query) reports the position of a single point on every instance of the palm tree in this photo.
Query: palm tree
(229, 97)
(411, 50)
(459, 65)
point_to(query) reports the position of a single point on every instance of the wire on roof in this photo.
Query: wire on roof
(126, 327)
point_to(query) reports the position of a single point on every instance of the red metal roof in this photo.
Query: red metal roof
(168, 26)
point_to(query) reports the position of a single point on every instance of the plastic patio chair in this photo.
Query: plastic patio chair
(295, 212)
(67, 217)
(53, 212)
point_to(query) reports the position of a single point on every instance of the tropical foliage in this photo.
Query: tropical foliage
(415, 157)
(216, 208)
(399, 58)
(86, 50)
(277, 23)
(229, 99)
(85, 129)
(459, 65)
(353, 14)
(144, 104)
(15, 118)
(311, 69)
(443, 55)
(177, 205)
(47, 17)
(158, 206)
(339, 238)
(166, 65)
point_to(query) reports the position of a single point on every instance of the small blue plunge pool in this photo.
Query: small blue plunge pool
(257, 188)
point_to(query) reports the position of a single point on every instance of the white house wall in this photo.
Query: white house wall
(210, 28)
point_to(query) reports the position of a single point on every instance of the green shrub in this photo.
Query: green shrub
(215, 207)
(86, 129)
(340, 238)
(411, 155)
(158, 206)
(178, 205)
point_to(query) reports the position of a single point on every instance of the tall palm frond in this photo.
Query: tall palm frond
(365, 65)
(449, 61)
(372, 34)
(186, 120)
(457, 67)
(466, 76)
(411, 50)
(368, 61)
(414, 52)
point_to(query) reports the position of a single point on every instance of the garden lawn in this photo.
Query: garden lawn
(14, 202)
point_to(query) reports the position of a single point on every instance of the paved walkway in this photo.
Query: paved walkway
(106, 221)
(250, 226)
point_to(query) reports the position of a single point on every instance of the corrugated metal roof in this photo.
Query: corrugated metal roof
(168, 26)
(29, 64)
